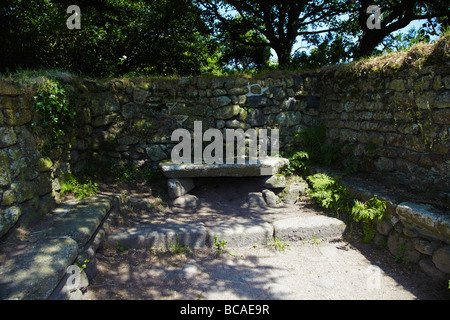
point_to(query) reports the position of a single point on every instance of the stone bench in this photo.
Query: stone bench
(180, 176)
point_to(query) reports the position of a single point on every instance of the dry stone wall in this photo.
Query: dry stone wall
(25, 177)
(395, 123)
(392, 120)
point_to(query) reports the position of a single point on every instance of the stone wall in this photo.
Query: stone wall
(25, 177)
(391, 116)
(395, 122)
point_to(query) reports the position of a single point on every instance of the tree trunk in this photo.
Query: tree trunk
(284, 55)
(369, 41)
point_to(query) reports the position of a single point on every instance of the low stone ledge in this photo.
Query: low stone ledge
(179, 187)
(81, 219)
(35, 270)
(427, 217)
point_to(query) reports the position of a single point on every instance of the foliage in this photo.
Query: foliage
(312, 140)
(130, 173)
(328, 193)
(120, 247)
(80, 188)
(395, 15)
(370, 210)
(55, 113)
(279, 23)
(179, 247)
(276, 244)
(117, 37)
(220, 246)
(182, 38)
(298, 161)
(235, 55)
(374, 209)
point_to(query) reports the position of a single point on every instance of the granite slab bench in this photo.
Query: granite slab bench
(180, 176)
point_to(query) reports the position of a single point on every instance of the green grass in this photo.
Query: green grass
(80, 188)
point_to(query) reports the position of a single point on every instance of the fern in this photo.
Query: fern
(327, 192)
(374, 209)
(297, 163)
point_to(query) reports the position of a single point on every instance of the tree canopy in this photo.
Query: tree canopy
(180, 37)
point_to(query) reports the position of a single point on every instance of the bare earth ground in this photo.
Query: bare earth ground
(312, 269)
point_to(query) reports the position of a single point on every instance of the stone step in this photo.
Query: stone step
(307, 228)
(193, 234)
(242, 233)
(237, 233)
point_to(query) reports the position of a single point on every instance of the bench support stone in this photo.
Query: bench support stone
(179, 187)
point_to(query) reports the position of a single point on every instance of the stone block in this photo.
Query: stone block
(193, 235)
(305, 228)
(292, 192)
(430, 269)
(7, 137)
(179, 187)
(275, 181)
(227, 112)
(187, 202)
(256, 200)
(9, 89)
(83, 220)
(221, 101)
(34, 274)
(271, 198)
(264, 167)
(240, 233)
(441, 259)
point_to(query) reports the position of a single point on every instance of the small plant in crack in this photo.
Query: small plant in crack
(220, 246)
(276, 244)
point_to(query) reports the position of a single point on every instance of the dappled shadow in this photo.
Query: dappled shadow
(153, 275)
(146, 274)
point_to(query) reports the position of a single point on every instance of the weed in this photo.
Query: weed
(276, 244)
(400, 255)
(298, 162)
(220, 246)
(82, 265)
(179, 247)
(315, 241)
(120, 248)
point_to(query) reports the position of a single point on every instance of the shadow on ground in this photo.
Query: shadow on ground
(309, 269)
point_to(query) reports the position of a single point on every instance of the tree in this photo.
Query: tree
(278, 22)
(336, 31)
(395, 15)
(117, 37)
(234, 55)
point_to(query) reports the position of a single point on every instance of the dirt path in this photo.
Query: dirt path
(303, 271)
(313, 269)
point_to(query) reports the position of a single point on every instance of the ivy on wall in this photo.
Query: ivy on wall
(54, 114)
